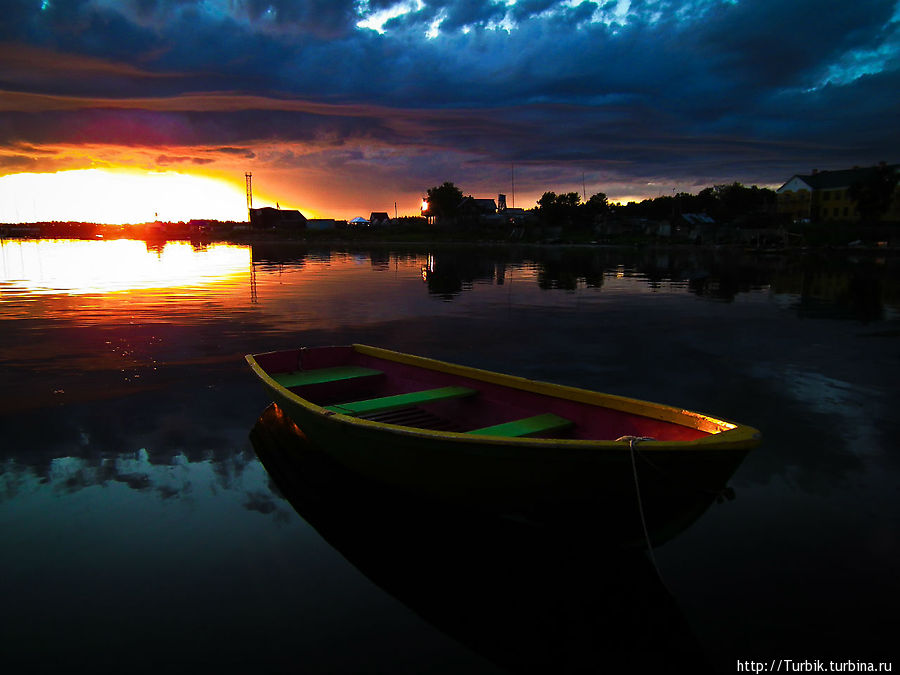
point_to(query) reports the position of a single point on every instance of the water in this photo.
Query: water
(141, 532)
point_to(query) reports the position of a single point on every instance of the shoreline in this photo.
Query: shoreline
(162, 234)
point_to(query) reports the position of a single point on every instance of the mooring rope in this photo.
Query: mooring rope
(632, 442)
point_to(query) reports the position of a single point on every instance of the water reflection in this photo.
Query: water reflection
(163, 446)
(136, 509)
(528, 599)
(861, 288)
(818, 284)
(79, 267)
(178, 478)
(448, 273)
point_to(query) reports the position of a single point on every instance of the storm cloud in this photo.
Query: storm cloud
(413, 92)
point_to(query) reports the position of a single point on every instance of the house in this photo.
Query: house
(481, 207)
(515, 215)
(693, 226)
(378, 218)
(268, 218)
(826, 195)
(472, 210)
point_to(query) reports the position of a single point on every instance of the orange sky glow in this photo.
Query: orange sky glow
(129, 195)
(118, 197)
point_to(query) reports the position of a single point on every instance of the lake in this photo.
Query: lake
(141, 533)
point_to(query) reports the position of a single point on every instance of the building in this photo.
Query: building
(477, 207)
(514, 215)
(471, 211)
(379, 218)
(268, 218)
(828, 195)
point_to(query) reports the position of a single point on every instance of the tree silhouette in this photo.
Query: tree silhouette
(557, 209)
(873, 194)
(597, 205)
(443, 200)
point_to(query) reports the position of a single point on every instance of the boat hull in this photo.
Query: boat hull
(534, 478)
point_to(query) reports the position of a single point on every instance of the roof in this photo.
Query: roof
(843, 178)
(697, 219)
(484, 205)
(268, 214)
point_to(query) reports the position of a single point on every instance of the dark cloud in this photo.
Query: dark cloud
(324, 18)
(684, 88)
(237, 152)
(528, 8)
(472, 13)
(165, 160)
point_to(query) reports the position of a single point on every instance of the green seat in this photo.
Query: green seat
(528, 426)
(319, 375)
(397, 401)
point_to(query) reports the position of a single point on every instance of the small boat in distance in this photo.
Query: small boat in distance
(499, 442)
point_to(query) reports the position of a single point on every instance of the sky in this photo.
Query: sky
(343, 107)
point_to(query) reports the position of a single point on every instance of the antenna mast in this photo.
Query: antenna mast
(248, 177)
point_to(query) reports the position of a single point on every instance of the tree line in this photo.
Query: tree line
(734, 203)
(723, 203)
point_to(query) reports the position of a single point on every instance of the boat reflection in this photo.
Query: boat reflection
(528, 598)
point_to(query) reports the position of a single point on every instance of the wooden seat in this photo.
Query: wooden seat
(398, 401)
(319, 375)
(528, 426)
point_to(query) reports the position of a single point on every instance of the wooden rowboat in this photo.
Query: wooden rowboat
(495, 441)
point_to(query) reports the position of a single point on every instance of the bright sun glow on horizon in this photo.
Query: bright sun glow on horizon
(118, 196)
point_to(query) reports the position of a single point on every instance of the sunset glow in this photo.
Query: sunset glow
(118, 197)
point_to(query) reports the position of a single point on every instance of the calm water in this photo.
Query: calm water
(141, 533)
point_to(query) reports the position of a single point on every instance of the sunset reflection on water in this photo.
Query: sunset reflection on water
(133, 500)
(82, 267)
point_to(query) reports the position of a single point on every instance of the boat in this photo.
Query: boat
(502, 443)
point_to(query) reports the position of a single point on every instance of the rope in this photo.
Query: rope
(632, 442)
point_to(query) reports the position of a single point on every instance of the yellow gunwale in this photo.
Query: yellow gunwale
(723, 434)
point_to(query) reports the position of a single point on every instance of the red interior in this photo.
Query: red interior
(494, 404)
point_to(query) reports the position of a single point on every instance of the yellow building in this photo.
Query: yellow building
(826, 195)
